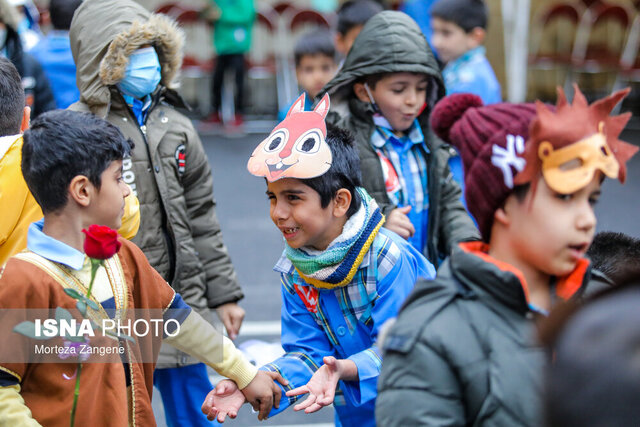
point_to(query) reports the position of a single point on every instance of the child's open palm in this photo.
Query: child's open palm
(225, 399)
(321, 387)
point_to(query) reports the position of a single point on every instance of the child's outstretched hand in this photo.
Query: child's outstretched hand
(262, 393)
(225, 399)
(322, 385)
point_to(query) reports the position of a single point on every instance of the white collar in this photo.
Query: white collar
(6, 142)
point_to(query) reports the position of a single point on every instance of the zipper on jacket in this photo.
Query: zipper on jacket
(167, 233)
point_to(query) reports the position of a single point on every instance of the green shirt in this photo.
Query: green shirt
(232, 31)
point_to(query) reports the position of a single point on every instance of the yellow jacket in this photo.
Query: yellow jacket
(19, 208)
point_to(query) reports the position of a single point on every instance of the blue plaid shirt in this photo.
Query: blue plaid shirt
(346, 324)
(404, 157)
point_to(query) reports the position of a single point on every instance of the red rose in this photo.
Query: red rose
(101, 242)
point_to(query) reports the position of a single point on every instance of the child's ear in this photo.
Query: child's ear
(81, 190)
(501, 216)
(341, 202)
(26, 116)
(361, 92)
(476, 37)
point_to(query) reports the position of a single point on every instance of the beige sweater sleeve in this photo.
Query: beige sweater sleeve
(13, 411)
(201, 340)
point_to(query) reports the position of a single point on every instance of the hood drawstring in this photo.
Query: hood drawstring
(374, 106)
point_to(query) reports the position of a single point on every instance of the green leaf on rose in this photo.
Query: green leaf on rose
(90, 303)
(82, 307)
(28, 329)
(73, 293)
(63, 314)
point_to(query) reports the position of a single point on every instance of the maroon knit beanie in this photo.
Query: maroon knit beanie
(490, 140)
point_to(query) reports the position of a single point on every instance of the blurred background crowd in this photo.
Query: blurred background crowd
(533, 47)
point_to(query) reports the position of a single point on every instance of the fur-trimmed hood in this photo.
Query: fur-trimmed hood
(104, 33)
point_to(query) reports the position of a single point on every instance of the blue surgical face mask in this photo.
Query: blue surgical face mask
(142, 74)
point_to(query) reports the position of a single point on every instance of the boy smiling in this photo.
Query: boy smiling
(533, 178)
(294, 211)
(342, 274)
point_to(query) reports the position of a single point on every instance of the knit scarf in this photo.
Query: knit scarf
(335, 266)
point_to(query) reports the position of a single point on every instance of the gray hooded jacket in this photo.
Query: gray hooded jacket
(391, 42)
(168, 169)
(464, 351)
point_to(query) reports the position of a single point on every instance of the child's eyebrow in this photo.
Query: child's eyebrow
(271, 193)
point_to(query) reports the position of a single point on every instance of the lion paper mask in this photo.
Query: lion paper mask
(296, 148)
(570, 168)
(569, 144)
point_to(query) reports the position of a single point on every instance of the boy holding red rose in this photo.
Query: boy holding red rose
(72, 164)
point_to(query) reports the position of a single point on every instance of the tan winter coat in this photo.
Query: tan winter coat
(168, 170)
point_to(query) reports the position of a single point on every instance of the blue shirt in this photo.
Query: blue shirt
(54, 54)
(308, 106)
(472, 73)
(404, 169)
(420, 11)
(346, 324)
(52, 249)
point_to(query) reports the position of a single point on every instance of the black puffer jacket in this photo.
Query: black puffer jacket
(463, 350)
(392, 42)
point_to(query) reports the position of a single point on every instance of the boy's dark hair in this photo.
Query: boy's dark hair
(11, 98)
(521, 191)
(343, 173)
(467, 14)
(372, 79)
(617, 255)
(61, 145)
(354, 13)
(61, 12)
(316, 42)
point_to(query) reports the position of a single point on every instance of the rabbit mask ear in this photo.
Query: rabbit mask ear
(323, 106)
(297, 147)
